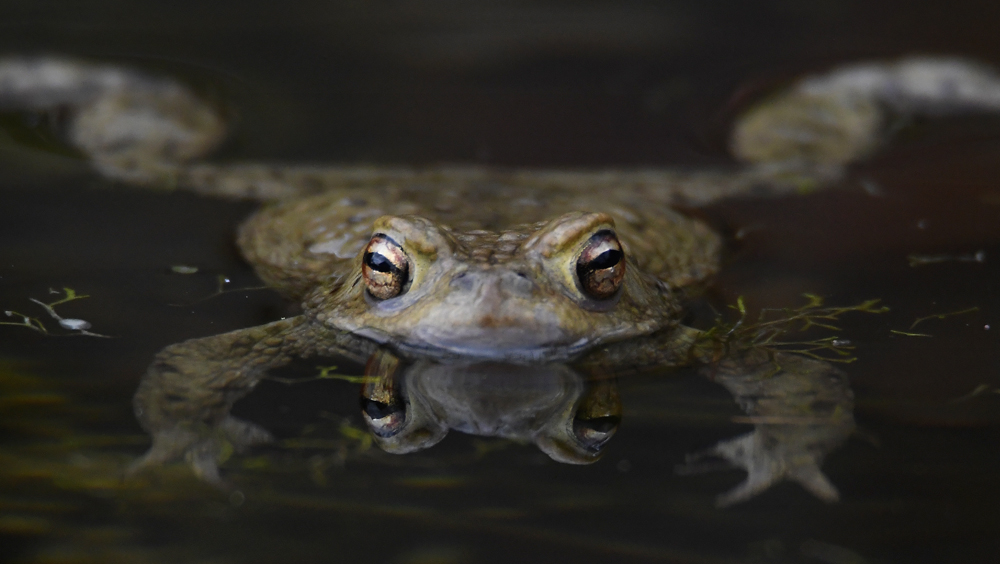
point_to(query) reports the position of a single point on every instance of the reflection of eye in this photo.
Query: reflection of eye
(384, 419)
(601, 266)
(594, 433)
(385, 268)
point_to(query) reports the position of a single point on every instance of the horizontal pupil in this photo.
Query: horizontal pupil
(378, 410)
(599, 424)
(378, 262)
(607, 259)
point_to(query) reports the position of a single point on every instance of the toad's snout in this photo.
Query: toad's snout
(492, 309)
(485, 286)
(486, 298)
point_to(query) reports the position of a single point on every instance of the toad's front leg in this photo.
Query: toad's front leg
(801, 409)
(185, 397)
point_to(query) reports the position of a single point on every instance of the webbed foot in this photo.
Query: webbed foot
(801, 409)
(203, 447)
(185, 398)
(767, 462)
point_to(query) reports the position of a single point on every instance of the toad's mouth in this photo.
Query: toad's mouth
(514, 345)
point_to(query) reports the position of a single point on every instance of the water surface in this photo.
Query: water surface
(519, 84)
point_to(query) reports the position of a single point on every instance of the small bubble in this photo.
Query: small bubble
(624, 465)
(922, 224)
(225, 280)
(987, 327)
(237, 498)
(74, 324)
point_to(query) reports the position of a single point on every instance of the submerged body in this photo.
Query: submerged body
(460, 263)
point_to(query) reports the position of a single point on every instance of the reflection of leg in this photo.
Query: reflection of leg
(132, 126)
(826, 121)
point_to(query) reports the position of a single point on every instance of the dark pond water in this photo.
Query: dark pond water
(566, 84)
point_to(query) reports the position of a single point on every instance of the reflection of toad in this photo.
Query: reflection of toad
(491, 265)
(412, 408)
(800, 413)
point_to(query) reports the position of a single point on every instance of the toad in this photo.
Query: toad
(468, 264)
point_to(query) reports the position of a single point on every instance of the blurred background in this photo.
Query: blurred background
(576, 84)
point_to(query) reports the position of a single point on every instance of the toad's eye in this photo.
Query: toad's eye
(595, 433)
(385, 268)
(601, 266)
(384, 419)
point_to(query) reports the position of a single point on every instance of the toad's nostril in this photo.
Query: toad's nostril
(517, 283)
(463, 281)
(498, 283)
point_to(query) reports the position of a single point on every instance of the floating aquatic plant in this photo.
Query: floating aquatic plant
(773, 330)
(79, 326)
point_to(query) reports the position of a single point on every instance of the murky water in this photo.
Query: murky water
(522, 84)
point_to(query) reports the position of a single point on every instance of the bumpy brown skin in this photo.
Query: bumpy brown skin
(311, 249)
(300, 244)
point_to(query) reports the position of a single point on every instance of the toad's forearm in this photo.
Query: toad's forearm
(198, 381)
